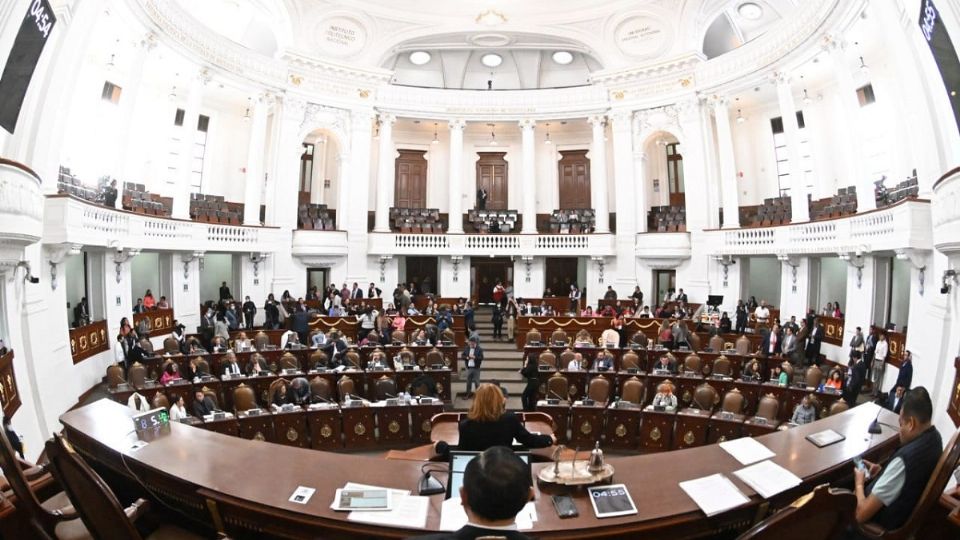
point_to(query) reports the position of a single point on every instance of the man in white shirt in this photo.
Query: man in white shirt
(879, 362)
(762, 313)
(575, 362)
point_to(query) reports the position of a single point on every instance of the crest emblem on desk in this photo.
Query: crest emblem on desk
(688, 437)
(259, 437)
(586, 427)
(655, 434)
(326, 431)
(426, 426)
(359, 429)
(394, 426)
(621, 430)
(292, 435)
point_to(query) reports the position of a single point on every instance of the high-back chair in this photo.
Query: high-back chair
(742, 345)
(384, 388)
(629, 360)
(533, 336)
(244, 398)
(558, 387)
(721, 367)
(345, 387)
(693, 340)
(705, 397)
(319, 358)
(838, 407)
(434, 357)
(398, 337)
(639, 338)
(814, 376)
(261, 340)
(137, 375)
(733, 402)
(115, 376)
(147, 346)
(716, 343)
(558, 337)
(320, 390)
(547, 358)
(692, 364)
(768, 408)
(289, 361)
(352, 359)
(171, 346)
(632, 390)
(599, 389)
(160, 400)
(566, 356)
(275, 386)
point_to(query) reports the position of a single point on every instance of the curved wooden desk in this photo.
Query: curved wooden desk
(246, 484)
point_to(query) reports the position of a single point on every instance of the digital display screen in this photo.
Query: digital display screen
(151, 419)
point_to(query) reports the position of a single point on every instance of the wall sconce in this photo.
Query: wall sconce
(600, 265)
(948, 276)
(725, 261)
(256, 259)
(918, 260)
(121, 256)
(56, 254)
(383, 267)
(188, 258)
(528, 263)
(29, 277)
(855, 260)
(456, 266)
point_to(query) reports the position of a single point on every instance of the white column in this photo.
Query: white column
(455, 210)
(788, 112)
(357, 204)
(318, 178)
(529, 177)
(255, 161)
(847, 128)
(130, 158)
(385, 173)
(188, 132)
(623, 168)
(640, 186)
(598, 174)
(728, 165)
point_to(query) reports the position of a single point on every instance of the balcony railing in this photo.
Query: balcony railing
(492, 244)
(70, 220)
(21, 206)
(903, 225)
(946, 212)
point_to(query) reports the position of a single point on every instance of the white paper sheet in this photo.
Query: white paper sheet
(714, 494)
(746, 450)
(453, 516)
(408, 511)
(767, 478)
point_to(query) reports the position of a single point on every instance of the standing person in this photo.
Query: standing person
(468, 322)
(855, 377)
(81, 313)
(879, 362)
(482, 198)
(272, 313)
(511, 314)
(574, 298)
(530, 373)
(110, 195)
(637, 297)
(742, 317)
(225, 291)
(905, 376)
(497, 321)
(472, 358)
(249, 312)
(814, 340)
(856, 342)
(373, 291)
(498, 293)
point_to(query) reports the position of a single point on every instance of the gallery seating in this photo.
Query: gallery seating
(667, 219)
(416, 220)
(70, 184)
(886, 196)
(844, 203)
(493, 221)
(214, 209)
(137, 199)
(572, 221)
(316, 217)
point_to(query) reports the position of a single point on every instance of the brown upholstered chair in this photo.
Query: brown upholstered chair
(931, 494)
(345, 387)
(261, 340)
(558, 387)
(244, 398)
(210, 393)
(115, 376)
(768, 408)
(705, 397)
(743, 345)
(632, 391)
(352, 359)
(692, 364)
(275, 386)
(813, 376)
(319, 359)
(289, 361)
(448, 335)
(147, 346)
(565, 357)
(838, 407)
(693, 340)
(629, 360)
(398, 337)
(171, 346)
(160, 400)
(96, 504)
(558, 337)
(547, 358)
(200, 366)
(716, 343)
(599, 389)
(320, 390)
(53, 517)
(733, 402)
(823, 513)
(533, 336)
(434, 357)
(407, 356)
(639, 338)
(137, 375)
(384, 386)
(721, 367)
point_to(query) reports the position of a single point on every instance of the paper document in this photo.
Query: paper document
(746, 450)
(453, 516)
(767, 478)
(714, 494)
(408, 511)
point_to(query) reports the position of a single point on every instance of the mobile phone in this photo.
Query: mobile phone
(858, 462)
(565, 506)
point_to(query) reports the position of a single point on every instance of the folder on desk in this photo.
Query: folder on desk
(714, 494)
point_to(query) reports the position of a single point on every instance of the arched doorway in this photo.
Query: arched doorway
(318, 186)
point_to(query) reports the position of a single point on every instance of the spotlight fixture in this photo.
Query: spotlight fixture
(246, 114)
(547, 139)
(491, 60)
(435, 138)
(563, 57)
(419, 58)
(806, 97)
(493, 136)
(750, 11)
(740, 118)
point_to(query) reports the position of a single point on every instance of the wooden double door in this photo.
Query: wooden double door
(574, 180)
(492, 176)
(410, 180)
(484, 275)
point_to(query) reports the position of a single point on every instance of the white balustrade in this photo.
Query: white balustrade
(491, 244)
(21, 211)
(946, 213)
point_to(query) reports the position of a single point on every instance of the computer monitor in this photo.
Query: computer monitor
(458, 465)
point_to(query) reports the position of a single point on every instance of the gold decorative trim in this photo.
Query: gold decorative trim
(359, 428)
(655, 434)
(259, 437)
(689, 438)
(586, 427)
(326, 431)
(393, 426)
(621, 430)
(292, 435)
(426, 427)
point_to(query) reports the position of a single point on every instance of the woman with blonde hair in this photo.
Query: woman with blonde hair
(489, 424)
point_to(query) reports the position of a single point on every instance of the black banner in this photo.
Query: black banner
(34, 31)
(944, 54)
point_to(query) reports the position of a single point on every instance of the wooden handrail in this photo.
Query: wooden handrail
(21, 166)
(946, 175)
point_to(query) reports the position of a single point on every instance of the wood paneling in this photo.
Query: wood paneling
(88, 340)
(492, 175)
(485, 273)
(561, 272)
(574, 179)
(159, 321)
(953, 408)
(410, 188)
(9, 394)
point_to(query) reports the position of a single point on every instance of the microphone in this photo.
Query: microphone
(442, 449)
(323, 399)
(391, 396)
(874, 428)
(557, 395)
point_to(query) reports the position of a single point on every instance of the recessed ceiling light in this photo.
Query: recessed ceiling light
(419, 58)
(750, 10)
(491, 60)
(562, 57)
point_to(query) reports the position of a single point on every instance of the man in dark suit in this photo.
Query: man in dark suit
(812, 351)
(472, 357)
(895, 400)
(482, 199)
(203, 405)
(855, 377)
(225, 291)
(496, 487)
(905, 376)
(682, 297)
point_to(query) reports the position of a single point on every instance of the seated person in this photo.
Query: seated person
(197, 369)
(372, 339)
(665, 364)
(894, 400)
(725, 323)
(379, 361)
(805, 412)
(203, 405)
(779, 376)
(318, 340)
(892, 492)
(230, 365)
(194, 347)
(242, 343)
(178, 411)
(575, 363)
(643, 313)
(256, 366)
(603, 362)
(420, 338)
(583, 340)
(835, 381)
(217, 345)
(496, 487)
(170, 373)
(489, 424)
(281, 395)
(298, 392)
(665, 398)
(290, 340)
(751, 372)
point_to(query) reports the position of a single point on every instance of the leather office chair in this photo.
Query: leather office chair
(558, 387)
(407, 356)
(261, 340)
(599, 389)
(583, 336)
(814, 376)
(733, 402)
(566, 356)
(558, 337)
(53, 517)
(200, 366)
(931, 494)
(171, 346)
(373, 336)
(823, 513)
(208, 392)
(160, 400)
(320, 390)
(632, 391)
(705, 397)
(716, 343)
(352, 359)
(115, 376)
(384, 386)
(448, 335)
(609, 338)
(692, 364)
(244, 398)
(275, 386)
(289, 361)
(721, 367)
(147, 346)
(743, 345)
(533, 336)
(629, 360)
(98, 507)
(693, 340)
(787, 367)
(838, 407)
(137, 375)
(434, 357)
(345, 387)
(547, 358)
(398, 337)
(319, 359)
(639, 338)
(768, 408)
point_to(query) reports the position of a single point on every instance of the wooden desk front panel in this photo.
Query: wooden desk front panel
(420, 424)
(656, 429)
(393, 423)
(227, 426)
(691, 428)
(325, 429)
(561, 415)
(723, 429)
(622, 428)
(586, 424)
(258, 428)
(358, 427)
(291, 428)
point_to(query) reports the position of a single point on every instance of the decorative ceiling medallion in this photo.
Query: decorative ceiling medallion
(643, 36)
(341, 35)
(490, 40)
(491, 17)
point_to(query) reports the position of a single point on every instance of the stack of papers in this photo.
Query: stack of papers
(767, 478)
(746, 450)
(406, 510)
(453, 516)
(714, 494)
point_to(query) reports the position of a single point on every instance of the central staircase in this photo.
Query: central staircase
(501, 363)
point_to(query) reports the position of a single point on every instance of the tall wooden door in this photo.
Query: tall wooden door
(574, 179)
(484, 275)
(561, 272)
(410, 187)
(492, 175)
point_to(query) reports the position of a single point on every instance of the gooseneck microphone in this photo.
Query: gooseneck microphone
(874, 428)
